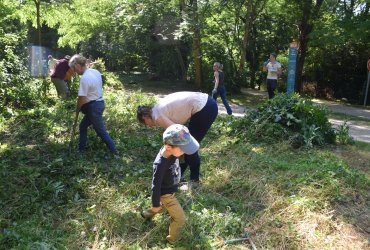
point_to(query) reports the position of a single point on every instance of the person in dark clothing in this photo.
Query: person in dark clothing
(58, 76)
(166, 176)
(219, 88)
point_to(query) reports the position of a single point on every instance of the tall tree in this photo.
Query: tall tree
(310, 12)
(197, 53)
(253, 8)
(34, 11)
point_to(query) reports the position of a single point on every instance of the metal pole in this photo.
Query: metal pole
(367, 87)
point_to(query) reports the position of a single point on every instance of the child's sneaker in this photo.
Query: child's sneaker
(189, 186)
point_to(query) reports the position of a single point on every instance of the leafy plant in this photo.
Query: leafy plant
(342, 133)
(283, 117)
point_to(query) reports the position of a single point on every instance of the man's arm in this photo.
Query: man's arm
(81, 101)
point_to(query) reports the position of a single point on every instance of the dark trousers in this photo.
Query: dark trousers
(271, 86)
(198, 126)
(94, 116)
(222, 92)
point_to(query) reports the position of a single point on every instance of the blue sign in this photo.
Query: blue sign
(292, 60)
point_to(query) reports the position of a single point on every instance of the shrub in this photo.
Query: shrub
(287, 117)
(15, 90)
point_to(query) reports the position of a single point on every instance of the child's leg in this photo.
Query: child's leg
(170, 203)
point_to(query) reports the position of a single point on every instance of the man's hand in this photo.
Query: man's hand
(214, 91)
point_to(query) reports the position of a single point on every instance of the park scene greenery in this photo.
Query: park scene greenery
(282, 173)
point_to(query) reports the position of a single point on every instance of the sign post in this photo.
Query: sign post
(292, 61)
(368, 80)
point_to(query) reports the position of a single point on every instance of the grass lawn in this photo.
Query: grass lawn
(53, 198)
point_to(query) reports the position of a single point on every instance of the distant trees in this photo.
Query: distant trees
(180, 39)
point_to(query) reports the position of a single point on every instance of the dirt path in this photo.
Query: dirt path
(359, 132)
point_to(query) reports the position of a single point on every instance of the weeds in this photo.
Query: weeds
(51, 199)
(287, 116)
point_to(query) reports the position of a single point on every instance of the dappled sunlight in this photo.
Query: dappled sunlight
(258, 150)
(94, 200)
(358, 132)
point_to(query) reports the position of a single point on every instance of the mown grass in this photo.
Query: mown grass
(54, 198)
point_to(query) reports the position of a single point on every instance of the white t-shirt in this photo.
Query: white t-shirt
(273, 69)
(179, 106)
(91, 85)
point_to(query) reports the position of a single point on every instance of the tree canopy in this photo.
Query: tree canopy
(182, 39)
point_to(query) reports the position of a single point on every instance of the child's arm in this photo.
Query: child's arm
(158, 173)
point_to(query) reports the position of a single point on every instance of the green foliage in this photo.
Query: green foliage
(342, 133)
(55, 199)
(15, 89)
(287, 117)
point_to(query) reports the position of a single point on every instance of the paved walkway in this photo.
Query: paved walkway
(358, 131)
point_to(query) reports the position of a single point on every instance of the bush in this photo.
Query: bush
(287, 117)
(15, 90)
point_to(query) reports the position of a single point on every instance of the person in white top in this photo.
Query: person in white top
(273, 69)
(90, 102)
(197, 108)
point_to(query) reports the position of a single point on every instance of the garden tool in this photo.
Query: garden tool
(245, 238)
(73, 130)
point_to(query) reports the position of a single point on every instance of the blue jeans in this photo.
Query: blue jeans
(94, 116)
(222, 92)
(271, 86)
(199, 125)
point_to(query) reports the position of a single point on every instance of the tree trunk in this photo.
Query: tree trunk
(197, 55)
(247, 26)
(178, 51)
(310, 13)
(38, 20)
(181, 62)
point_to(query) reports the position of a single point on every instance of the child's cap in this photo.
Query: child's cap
(178, 135)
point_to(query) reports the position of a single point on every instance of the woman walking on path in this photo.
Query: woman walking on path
(219, 88)
(178, 108)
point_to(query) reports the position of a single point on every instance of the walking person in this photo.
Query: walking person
(90, 102)
(199, 109)
(273, 69)
(219, 87)
(166, 177)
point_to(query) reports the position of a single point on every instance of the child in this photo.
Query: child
(166, 176)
